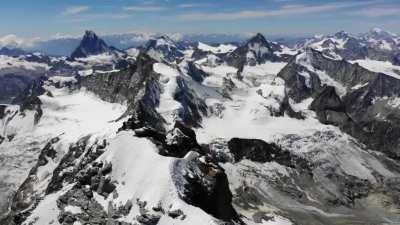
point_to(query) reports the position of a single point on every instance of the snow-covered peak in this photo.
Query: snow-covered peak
(164, 41)
(222, 48)
(163, 48)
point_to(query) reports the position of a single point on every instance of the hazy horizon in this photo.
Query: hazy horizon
(47, 19)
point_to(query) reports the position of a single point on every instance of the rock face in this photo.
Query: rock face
(13, 86)
(163, 48)
(205, 185)
(205, 142)
(257, 50)
(357, 109)
(375, 44)
(197, 74)
(193, 107)
(137, 86)
(91, 44)
(330, 108)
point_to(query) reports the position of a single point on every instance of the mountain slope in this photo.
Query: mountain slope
(90, 44)
(196, 139)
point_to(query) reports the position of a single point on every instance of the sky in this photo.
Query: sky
(51, 18)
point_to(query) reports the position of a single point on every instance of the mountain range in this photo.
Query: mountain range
(183, 132)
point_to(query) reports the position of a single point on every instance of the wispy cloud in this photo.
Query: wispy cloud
(192, 5)
(285, 10)
(388, 10)
(72, 10)
(144, 8)
(96, 16)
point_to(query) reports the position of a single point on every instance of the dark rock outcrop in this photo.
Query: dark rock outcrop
(197, 74)
(297, 86)
(356, 112)
(163, 48)
(193, 107)
(2, 111)
(137, 86)
(204, 185)
(91, 44)
(175, 143)
(260, 151)
(330, 108)
(258, 47)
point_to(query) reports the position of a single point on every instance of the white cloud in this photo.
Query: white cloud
(72, 10)
(144, 8)
(286, 10)
(13, 41)
(192, 5)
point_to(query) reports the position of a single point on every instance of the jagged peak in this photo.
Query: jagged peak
(258, 38)
(90, 34)
(378, 32)
(90, 44)
(162, 40)
(342, 34)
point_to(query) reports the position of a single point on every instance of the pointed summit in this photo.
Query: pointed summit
(341, 34)
(91, 44)
(258, 38)
(256, 50)
(163, 48)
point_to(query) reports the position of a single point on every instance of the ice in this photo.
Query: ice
(222, 48)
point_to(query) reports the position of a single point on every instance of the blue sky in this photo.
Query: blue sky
(46, 18)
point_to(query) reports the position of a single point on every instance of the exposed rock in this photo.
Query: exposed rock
(197, 74)
(260, 151)
(193, 107)
(138, 86)
(65, 171)
(163, 48)
(176, 142)
(179, 141)
(26, 196)
(257, 50)
(204, 185)
(2, 111)
(148, 219)
(330, 108)
(297, 87)
(91, 44)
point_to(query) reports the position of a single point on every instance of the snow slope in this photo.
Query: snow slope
(222, 48)
(67, 115)
(380, 67)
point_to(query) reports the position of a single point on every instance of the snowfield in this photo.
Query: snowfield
(308, 172)
(222, 48)
(380, 67)
(143, 174)
(67, 115)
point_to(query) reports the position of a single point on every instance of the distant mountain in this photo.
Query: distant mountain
(256, 50)
(375, 44)
(12, 51)
(163, 48)
(91, 44)
(176, 132)
(66, 45)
